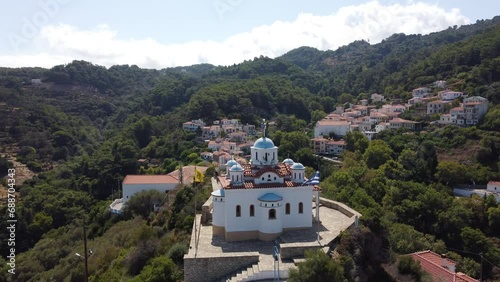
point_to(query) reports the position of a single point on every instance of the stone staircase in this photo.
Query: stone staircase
(246, 274)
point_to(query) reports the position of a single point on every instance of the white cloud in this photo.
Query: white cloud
(63, 43)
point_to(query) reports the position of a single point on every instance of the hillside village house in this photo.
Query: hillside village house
(475, 108)
(420, 92)
(392, 109)
(193, 125)
(440, 84)
(249, 129)
(325, 126)
(210, 132)
(440, 268)
(449, 95)
(133, 184)
(381, 126)
(219, 144)
(397, 123)
(328, 146)
(471, 111)
(375, 97)
(493, 186)
(238, 137)
(456, 116)
(436, 107)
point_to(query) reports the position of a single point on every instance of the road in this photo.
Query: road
(330, 159)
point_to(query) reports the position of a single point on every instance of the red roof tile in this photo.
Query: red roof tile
(150, 179)
(252, 185)
(432, 264)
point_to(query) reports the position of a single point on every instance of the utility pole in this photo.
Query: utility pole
(481, 277)
(85, 250)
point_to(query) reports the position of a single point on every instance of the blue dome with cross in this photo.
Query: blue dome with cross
(264, 143)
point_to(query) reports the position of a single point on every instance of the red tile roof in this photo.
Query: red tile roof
(494, 183)
(333, 122)
(281, 169)
(432, 263)
(252, 185)
(150, 179)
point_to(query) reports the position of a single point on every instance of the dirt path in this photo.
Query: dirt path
(22, 172)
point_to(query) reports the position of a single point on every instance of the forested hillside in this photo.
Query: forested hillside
(83, 127)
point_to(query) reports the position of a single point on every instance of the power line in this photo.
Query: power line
(477, 254)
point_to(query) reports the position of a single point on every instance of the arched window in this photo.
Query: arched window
(301, 207)
(252, 210)
(287, 208)
(238, 211)
(272, 214)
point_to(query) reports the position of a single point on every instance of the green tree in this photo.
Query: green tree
(356, 142)
(408, 266)
(451, 173)
(143, 203)
(317, 115)
(159, 269)
(377, 154)
(318, 267)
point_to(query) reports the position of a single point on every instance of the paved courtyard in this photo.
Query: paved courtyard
(332, 223)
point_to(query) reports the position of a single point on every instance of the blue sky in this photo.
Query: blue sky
(158, 34)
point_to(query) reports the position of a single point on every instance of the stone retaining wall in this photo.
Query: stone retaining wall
(338, 206)
(294, 250)
(212, 268)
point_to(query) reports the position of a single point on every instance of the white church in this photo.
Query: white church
(262, 199)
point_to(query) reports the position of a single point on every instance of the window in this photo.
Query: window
(287, 208)
(272, 214)
(252, 210)
(301, 207)
(238, 211)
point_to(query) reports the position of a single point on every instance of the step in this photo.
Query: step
(250, 272)
(256, 269)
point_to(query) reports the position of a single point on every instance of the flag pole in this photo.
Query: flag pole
(195, 223)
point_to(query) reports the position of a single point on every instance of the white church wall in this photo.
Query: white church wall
(247, 197)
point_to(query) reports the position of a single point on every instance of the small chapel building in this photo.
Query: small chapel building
(263, 198)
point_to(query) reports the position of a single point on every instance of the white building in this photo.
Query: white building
(449, 95)
(193, 125)
(262, 199)
(474, 109)
(136, 183)
(420, 92)
(377, 98)
(493, 186)
(325, 126)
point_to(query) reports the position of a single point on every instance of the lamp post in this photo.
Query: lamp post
(85, 254)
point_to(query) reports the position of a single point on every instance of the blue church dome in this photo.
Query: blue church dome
(297, 166)
(236, 167)
(231, 162)
(270, 197)
(288, 161)
(264, 143)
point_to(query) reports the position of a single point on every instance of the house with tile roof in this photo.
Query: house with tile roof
(133, 184)
(440, 268)
(325, 126)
